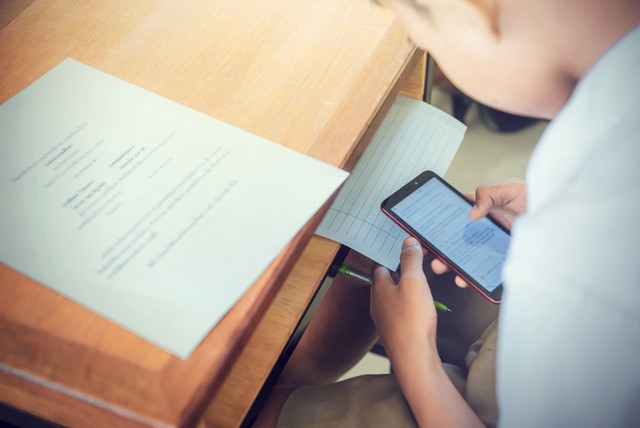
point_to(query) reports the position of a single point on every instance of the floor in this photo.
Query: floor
(484, 157)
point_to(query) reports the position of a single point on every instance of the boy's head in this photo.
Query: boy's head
(521, 56)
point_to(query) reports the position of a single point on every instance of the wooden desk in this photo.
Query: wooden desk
(314, 76)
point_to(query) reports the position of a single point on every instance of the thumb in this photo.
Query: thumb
(411, 258)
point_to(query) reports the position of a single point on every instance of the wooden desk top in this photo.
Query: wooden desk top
(313, 76)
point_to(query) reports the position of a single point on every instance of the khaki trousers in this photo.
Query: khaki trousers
(376, 400)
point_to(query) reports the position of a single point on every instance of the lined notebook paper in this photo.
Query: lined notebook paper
(412, 138)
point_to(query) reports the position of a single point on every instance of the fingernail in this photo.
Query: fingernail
(411, 243)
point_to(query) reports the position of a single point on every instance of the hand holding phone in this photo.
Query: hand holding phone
(437, 215)
(503, 201)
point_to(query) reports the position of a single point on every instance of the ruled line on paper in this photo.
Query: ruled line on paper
(413, 137)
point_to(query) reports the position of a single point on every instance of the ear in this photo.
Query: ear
(488, 10)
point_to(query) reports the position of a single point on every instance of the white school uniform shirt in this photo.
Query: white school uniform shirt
(569, 335)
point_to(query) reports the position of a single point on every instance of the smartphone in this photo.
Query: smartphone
(436, 214)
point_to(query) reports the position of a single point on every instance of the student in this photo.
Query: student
(569, 332)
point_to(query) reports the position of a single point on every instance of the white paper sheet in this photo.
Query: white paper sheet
(154, 215)
(412, 138)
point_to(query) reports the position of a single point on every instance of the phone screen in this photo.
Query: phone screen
(439, 216)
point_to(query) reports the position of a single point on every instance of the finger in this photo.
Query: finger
(382, 277)
(438, 267)
(484, 203)
(411, 257)
(461, 282)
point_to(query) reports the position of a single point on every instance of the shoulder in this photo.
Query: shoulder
(581, 227)
(583, 194)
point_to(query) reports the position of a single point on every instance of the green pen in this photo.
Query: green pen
(349, 272)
